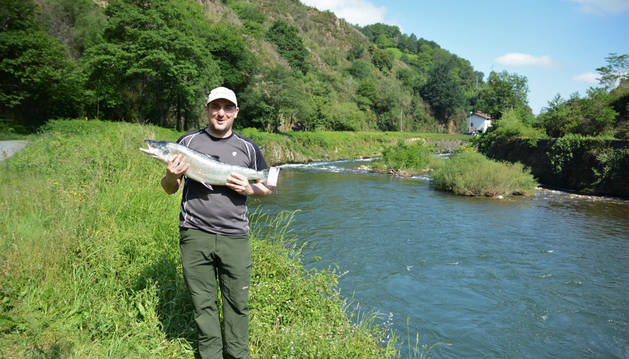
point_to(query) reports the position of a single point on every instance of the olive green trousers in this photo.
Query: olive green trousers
(206, 257)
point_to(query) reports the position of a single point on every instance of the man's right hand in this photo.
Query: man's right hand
(176, 166)
(174, 171)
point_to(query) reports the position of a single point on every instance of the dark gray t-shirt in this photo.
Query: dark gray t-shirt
(220, 210)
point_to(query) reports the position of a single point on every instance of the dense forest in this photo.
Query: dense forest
(294, 68)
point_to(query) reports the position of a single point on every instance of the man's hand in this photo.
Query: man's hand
(240, 184)
(176, 166)
(174, 171)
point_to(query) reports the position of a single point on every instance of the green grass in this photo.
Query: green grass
(405, 159)
(328, 145)
(89, 261)
(472, 174)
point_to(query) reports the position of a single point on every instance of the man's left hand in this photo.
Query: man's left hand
(240, 184)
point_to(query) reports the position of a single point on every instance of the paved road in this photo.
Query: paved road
(8, 148)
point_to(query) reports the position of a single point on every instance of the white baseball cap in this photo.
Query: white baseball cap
(224, 93)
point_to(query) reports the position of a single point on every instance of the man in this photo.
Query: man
(214, 230)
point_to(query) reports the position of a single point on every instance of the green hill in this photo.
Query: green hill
(294, 67)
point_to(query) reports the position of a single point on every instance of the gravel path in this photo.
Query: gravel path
(8, 148)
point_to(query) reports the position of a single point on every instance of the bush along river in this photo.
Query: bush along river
(538, 277)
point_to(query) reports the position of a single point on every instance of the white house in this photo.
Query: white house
(478, 122)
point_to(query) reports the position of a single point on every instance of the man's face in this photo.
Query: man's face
(221, 113)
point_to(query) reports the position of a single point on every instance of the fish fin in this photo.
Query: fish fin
(207, 185)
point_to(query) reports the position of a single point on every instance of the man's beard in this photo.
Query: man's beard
(219, 132)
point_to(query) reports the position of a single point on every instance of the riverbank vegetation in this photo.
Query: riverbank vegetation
(472, 174)
(466, 172)
(89, 263)
(405, 159)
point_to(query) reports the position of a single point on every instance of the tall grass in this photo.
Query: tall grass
(472, 174)
(89, 261)
(406, 159)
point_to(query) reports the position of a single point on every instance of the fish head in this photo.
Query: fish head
(158, 150)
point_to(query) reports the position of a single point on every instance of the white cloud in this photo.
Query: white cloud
(602, 7)
(359, 12)
(519, 59)
(587, 77)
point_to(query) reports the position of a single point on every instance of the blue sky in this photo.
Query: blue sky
(556, 44)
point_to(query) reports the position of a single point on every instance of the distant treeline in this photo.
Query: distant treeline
(293, 67)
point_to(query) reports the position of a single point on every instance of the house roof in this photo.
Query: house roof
(482, 114)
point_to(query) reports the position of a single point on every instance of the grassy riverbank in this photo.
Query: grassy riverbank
(313, 146)
(466, 173)
(89, 263)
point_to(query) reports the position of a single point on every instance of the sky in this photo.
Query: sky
(556, 44)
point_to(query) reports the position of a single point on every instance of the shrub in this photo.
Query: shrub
(405, 158)
(472, 174)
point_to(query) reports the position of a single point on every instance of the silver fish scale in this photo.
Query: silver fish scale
(202, 168)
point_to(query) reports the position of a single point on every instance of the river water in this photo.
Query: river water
(543, 277)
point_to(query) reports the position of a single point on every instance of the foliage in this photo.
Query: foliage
(381, 59)
(360, 69)
(77, 24)
(273, 101)
(37, 80)
(513, 123)
(564, 151)
(247, 11)
(442, 90)
(558, 117)
(595, 116)
(589, 116)
(616, 71)
(619, 102)
(410, 159)
(591, 165)
(90, 265)
(472, 174)
(366, 94)
(153, 62)
(504, 91)
(232, 53)
(289, 44)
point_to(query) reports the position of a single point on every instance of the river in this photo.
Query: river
(539, 277)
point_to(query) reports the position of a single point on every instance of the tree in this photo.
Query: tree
(442, 90)
(289, 45)
(275, 101)
(154, 62)
(382, 59)
(231, 52)
(594, 115)
(558, 117)
(616, 71)
(37, 79)
(366, 94)
(503, 91)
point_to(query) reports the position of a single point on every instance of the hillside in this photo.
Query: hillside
(293, 66)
